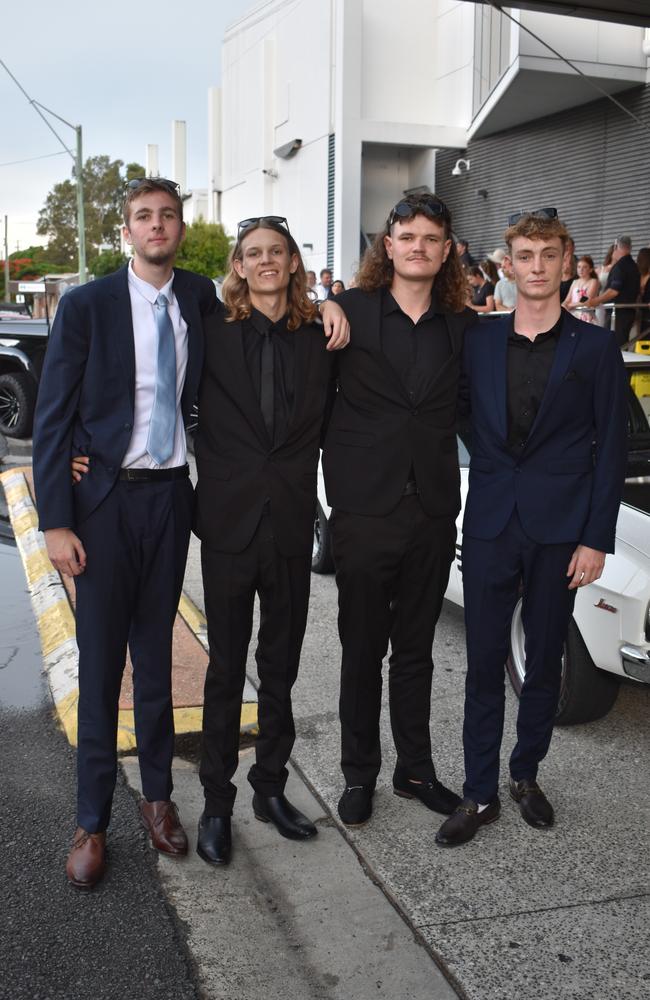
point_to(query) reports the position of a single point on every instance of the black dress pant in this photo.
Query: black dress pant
(391, 573)
(230, 582)
(493, 570)
(136, 546)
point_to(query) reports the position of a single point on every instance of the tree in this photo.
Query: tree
(107, 262)
(104, 183)
(205, 249)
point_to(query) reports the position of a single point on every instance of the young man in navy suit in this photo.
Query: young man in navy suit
(548, 405)
(120, 375)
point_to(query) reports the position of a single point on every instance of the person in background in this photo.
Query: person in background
(337, 287)
(464, 256)
(643, 264)
(505, 290)
(482, 297)
(584, 287)
(324, 287)
(497, 257)
(622, 286)
(311, 286)
(602, 314)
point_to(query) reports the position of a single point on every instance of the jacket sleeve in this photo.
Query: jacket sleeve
(56, 409)
(610, 455)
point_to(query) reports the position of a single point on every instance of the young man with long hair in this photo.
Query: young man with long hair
(391, 473)
(267, 378)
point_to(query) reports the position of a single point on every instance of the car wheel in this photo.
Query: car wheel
(586, 693)
(17, 400)
(321, 553)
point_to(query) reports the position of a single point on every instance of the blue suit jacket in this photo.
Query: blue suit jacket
(86, 395)
(566, 484)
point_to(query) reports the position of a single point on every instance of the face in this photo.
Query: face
(506, 267)
(326, 279)
(311, 279)
(460, 249)
(265, 264)
(418, 248)
(337, 287)
(155, 229)
(584, 271)
(537, 266)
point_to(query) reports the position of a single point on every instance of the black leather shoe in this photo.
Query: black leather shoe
(465, 821)
(533, 804)
(286, 819)
(215, 842)
(355, 805)
(431, 793)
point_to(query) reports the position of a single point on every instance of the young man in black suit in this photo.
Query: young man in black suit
(391, 473)
(120, 375)
(266, 382)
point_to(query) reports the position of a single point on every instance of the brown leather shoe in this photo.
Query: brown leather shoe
(87, 859)
(162, 821)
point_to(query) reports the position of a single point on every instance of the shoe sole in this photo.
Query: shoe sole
(355, 826)
(407, 795)
(287, 836)
(462, 843)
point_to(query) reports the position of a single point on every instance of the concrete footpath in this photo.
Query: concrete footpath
(517, 914)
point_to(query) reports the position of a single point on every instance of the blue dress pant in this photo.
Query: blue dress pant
(136, 545)
(494, 570)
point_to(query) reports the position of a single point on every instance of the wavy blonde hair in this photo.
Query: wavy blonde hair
(376, 269)
(236, 296)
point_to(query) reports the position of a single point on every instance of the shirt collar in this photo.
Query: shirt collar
(149, 292)
(263, 324)
(390, 305)
(553, 333)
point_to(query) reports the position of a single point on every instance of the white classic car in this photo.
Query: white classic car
(609, 635)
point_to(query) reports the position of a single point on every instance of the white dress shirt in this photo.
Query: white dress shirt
(145, 335)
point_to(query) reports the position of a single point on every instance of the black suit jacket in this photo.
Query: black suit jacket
(238, 467)
(86, 395)
(376, 433)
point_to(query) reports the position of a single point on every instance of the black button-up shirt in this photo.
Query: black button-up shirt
(529, 364)
(254, 330)
(415, 350)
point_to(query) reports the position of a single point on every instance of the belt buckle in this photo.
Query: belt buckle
(130, 475)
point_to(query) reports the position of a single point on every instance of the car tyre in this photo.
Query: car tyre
(17, 402)
(586, 693)
(321, 556)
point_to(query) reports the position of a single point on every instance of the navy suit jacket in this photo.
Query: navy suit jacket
(566, 485)
(86, 396)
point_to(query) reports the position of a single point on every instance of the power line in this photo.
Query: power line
(45, 156)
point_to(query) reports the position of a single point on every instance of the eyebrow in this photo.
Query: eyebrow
(256, 246)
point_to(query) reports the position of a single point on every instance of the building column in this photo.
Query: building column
(347, 132)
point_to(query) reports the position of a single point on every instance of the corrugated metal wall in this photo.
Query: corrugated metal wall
(592, 163)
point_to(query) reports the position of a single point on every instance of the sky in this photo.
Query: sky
(122, 70)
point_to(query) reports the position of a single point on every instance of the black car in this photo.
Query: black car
(23, 342)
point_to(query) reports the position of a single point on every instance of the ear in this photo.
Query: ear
(183, 232)
(127, 235)
(388, 246)
(293, 264)
(445, 250)
(238, 267)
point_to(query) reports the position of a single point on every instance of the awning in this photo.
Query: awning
(620, 11)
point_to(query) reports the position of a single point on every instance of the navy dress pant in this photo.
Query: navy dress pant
(136, 546)
(494, 571)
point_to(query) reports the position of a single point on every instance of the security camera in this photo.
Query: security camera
(456, 172)
(289, 149)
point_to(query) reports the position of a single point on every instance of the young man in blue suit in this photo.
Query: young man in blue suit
(547, 396)
(121, 372)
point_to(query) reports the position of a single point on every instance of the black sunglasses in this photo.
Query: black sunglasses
(274, 220)
(162, 182)
(431, 207)
(536, 213)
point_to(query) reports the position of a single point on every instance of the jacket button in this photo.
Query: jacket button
(127, 427)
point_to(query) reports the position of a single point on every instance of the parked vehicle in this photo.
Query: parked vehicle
(22, 349)
(609, 635)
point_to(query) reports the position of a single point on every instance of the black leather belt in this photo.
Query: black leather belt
(154, 475)
(411, 489)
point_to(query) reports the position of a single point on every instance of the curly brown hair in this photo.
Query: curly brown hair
(236, 296)
(535, 227)
(376, 269)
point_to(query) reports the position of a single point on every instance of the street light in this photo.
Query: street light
(78, 160)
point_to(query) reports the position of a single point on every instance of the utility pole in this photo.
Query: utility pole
(7, 295)
(78, 160)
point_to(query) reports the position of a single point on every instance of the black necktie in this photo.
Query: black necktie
(267, 396)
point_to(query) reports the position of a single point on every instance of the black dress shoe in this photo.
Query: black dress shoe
(355, 805)
(465, 821)
(533, 804)
(431, 793)
(215, 843)
(286, 819)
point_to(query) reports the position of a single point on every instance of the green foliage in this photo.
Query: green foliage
(205, 249)
(103, 183)
(106, 263)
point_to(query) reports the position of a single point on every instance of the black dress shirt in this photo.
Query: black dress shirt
(480, 295)
(529, 364)
(254, 330)
(415, 350)
(625, 279)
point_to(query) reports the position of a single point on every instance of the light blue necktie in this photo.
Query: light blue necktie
(162, 427)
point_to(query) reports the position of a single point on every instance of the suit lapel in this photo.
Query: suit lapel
(122, 321)
(189, 308)
(304, 345)
(498, 352)
(566, 346)
(233, 358)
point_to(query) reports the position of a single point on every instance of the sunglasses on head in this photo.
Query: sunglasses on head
(536, 213)
(162, 182)
(433, 208)
(273, 220)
